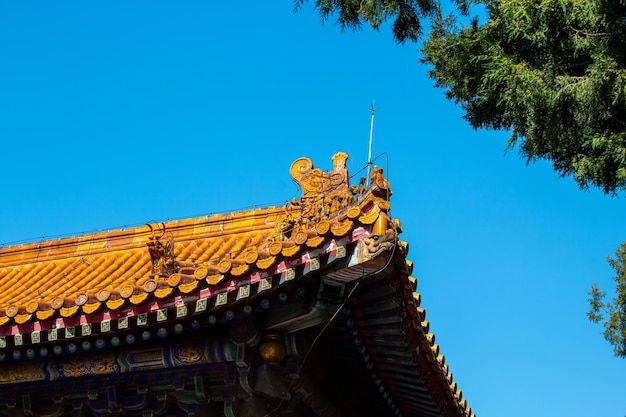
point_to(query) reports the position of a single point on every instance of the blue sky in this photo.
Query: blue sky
(119, 113)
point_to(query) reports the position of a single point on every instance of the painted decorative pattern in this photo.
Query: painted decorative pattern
(99, 365)
(21, 373)
(188, 354)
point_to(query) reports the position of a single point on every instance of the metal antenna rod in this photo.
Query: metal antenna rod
(369, 153)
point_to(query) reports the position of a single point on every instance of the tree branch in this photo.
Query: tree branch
(585, 33)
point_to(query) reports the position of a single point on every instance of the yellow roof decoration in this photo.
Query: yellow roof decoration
(97, 286)
(108, 270)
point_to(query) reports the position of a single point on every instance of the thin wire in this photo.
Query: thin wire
(334, 316)
(269, 204)
(132, 225)
(125, 226)
(312, 345)
(328, 323)
(221, 221)
(369, 151)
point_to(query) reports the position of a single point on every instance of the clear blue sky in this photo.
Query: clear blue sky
(118, 113)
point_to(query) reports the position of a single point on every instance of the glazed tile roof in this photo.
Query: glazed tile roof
(82, 275)
(76, 281)
(60, 277)
(109, 270)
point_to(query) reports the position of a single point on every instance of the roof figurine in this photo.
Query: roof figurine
(306, 309)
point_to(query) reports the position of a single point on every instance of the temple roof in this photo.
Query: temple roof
(336, 241)
(113, 269)
(64, 277)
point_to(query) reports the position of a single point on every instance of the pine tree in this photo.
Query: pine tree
(612, 314)
(551, 72)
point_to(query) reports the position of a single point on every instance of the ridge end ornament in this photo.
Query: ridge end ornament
(324, 194)
(161, 251)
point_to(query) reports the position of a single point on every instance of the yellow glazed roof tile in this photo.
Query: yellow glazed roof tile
(81, 273)
(42, 271)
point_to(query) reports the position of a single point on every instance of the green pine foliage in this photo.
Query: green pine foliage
(406, 14)
(551, 72)
(612, 314)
